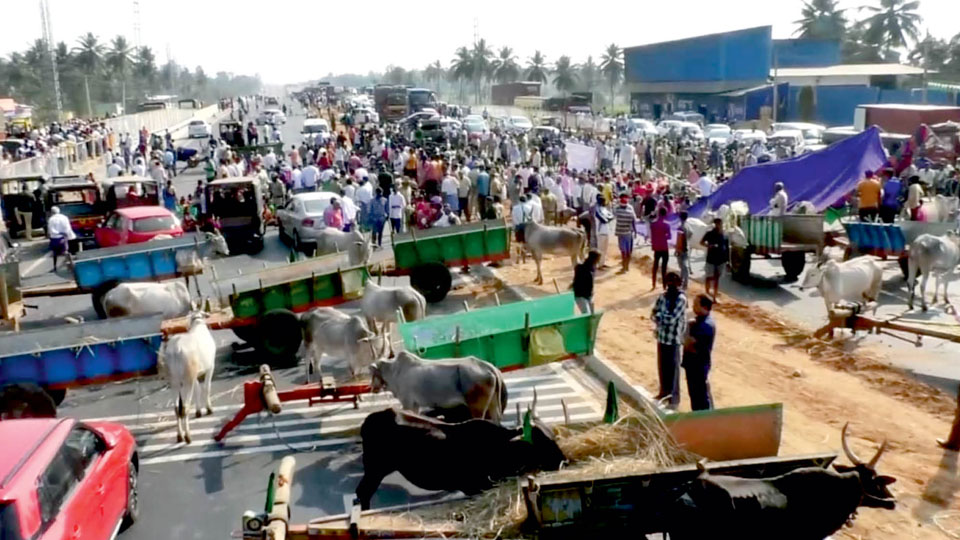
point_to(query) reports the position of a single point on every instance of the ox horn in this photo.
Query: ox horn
(846, 447)
(873, 462)
(533, 406)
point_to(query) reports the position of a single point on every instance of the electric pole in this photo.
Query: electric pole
(51, 50)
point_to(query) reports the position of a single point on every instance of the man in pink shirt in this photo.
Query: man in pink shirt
(659, 241)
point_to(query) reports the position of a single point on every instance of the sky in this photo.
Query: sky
(289, 41)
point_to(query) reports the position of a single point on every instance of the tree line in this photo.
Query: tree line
(94, 72)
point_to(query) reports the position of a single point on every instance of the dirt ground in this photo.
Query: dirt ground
(759, 358)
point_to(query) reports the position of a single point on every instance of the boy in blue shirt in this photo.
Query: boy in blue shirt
(697, 349)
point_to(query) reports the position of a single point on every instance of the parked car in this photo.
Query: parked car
(475, 128)
(136, 224)
(718, 133)
(364, 116)
(812, 133)
(274, 117)
(749, 136)
(544, 133)
(199, 129)
(519, 124)
(314, 129)
(641, 127)
(790, 138)
(691, 130)
(302, 218)
(666, 126)
(63, 478)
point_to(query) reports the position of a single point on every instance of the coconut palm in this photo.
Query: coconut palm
(893, 23)
(118, 59)
(564, 75)
(506, 68)
(821, 19)
(537, 68)
(461, 67)
(611, 64)
(88, 55)
(482, 56)
(588, 74)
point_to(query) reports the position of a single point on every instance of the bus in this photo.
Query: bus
(419, 99)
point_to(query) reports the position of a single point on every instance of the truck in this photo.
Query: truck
(419, 99)
(390, 102)
(505, 94)
(902, 118)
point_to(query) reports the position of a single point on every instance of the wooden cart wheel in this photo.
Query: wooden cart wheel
(56, 394)
(97, 296)
(279, 336)
(25, 400)
(248, 334)
(433, 281)
(740, 263)
(793, 263)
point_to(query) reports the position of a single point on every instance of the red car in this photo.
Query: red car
(137, 224)
(61, 478)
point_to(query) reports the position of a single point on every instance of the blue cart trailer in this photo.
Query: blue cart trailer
(38, 366)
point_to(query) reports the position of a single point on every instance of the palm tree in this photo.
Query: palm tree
(145, 66)
(821, 19)
(482, 64)
(537, 68)
(855, 49)
(461, 67)
(931, 53)
(88, 57)
(434, 72)
(588, 74)
(200, 79)
(118, 59)
(564, 75)
(611, 63)
(506, 68)
(892, 24)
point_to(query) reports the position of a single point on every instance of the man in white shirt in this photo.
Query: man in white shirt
(778, 204)
(395, 205)
(139, 169)
(705, 185)
(349, 190)
(296, 178)
(447, 219)
(114, 169)
(450, 188)
(60, 232)
(327, 175)
(349, 213)
(310, 175)
(270, 160)
(588, 195)
(536, 207)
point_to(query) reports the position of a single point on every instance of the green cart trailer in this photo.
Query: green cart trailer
(263, 305)
(790, 237)
(427, 255)
(511, 336)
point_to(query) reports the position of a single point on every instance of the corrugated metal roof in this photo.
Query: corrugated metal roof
(850, 69)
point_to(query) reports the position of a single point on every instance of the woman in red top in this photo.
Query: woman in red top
(659, 241)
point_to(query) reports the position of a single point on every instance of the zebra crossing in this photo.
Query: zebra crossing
(329, 426)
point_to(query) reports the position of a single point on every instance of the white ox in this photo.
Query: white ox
(929, 254)
(187, 360)
(856, 281)
(356, 245)
(169, 297)
(541, 239)
(380, 305)
(336, 334)
(443, 384)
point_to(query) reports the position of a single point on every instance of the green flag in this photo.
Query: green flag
(612, 411)
(527, 427)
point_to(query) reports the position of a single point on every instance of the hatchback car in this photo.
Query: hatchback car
(137, 224)
(198, 129)
(62, 478)
(519, 124)
(302, 218)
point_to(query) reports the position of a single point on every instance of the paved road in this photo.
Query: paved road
(200, 490)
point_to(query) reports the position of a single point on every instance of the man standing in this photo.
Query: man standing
(914, 197)
(626, 223)
(869, 194)
(603, 218)
(583, 282)
(890, 204)
(60, 233)
(309, 177)
(396, 203)
(463, 195)
(778, 204)
(660, 242)
(717, 253)
(483, 188)
(170, 197)
(697, 349)
(450, 188)
(682, 251)
(669, 315)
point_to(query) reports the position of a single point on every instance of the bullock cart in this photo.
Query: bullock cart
(38, 366)
(613, 505)
(788, 237)
(889, 239)
(427, 255)
(97, 271)
(260, 307)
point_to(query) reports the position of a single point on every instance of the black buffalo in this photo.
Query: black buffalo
(805, 504)
(469, 456)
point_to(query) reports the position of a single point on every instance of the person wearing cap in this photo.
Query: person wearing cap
(778, 204)
(60, 233)
(869, 195)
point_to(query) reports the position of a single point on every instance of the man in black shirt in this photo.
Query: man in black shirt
(717, 255)
(583, 282)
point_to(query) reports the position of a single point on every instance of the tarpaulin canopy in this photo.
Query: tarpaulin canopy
(822, 178)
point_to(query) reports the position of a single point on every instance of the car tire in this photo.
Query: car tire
(282, 233)
(132, 513)
(297, 247)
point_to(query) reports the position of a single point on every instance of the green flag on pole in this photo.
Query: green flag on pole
(612, 411)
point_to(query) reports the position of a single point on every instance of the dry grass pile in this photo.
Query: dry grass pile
(636, 443)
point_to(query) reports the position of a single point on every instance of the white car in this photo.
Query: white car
(812, 133)
(749, 136)
(198, 129)
(315, 128)
(301, 219)
(791, 138)
(274, 117)
(641, 127)
(718, 133)
(365, 115)
(519, 124)
(692, 130)
(666, 126)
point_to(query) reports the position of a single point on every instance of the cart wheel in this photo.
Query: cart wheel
(793, 263)
(248, 334)
(256, 245)
(25, 400)
(56, 394)
(433, 281)
(280, 336)
(97, 296)
(740, 263)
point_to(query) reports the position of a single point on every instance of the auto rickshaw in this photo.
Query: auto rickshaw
(231, 131)
(80, 200)
(22, 193)
(127, 191)
(236, 206)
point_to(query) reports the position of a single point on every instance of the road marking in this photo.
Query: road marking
(24, 273)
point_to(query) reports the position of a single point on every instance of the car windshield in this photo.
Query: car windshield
(238, 200)
(315, 206)
(9, 524)
(196, 122)
(154, 223)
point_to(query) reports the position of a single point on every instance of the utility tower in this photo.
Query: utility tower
(136, 23)
(51, 50)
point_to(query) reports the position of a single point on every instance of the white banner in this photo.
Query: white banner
(581, 157)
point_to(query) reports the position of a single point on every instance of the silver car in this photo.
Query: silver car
(301, 219)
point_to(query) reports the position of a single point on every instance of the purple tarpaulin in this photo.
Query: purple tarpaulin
(822, 177)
